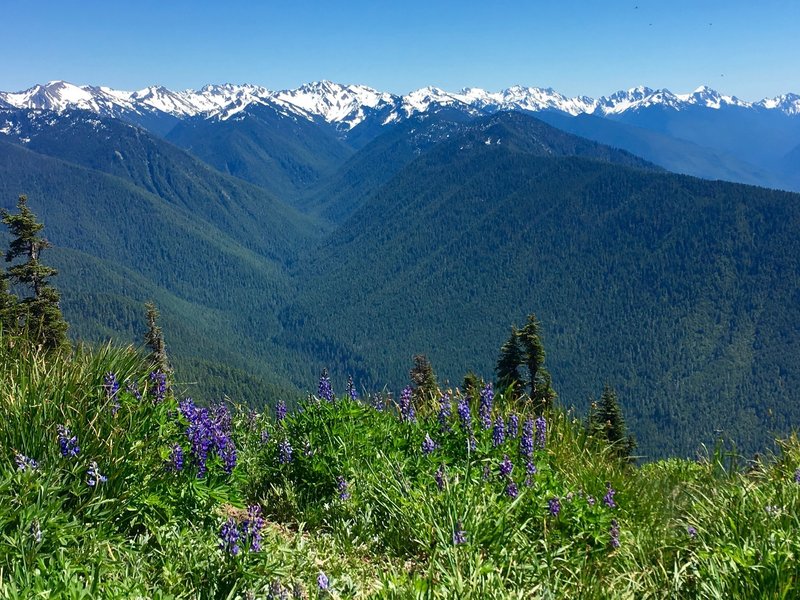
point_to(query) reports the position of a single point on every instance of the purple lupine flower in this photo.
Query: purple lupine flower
(464, 414)
(324, 390)
(797, 476)
(351, 389)
(498, 432)
(95, 476)
(252, 526)
(322, 581)
(67, 442)
(111, 387)
(175, 462)
(530, 471)
(506, 466)
(208, 431)
(512, 491)
(554, 506)
(485, 407)
(513, 426)
(277, 591)
(407, 412)
(133, 389)
(541, 431)
(439, 477)
(229, 537)
(24, 463)
(341, 487)
(526, 441)
(487, 473)
(284, 452)
(609, 497)
(376, 401)
(159, 382)
(264, 436)
(691, 531)
(614, 533)
(590, 500)
(444, 412)
(459, 535)
(428, 445)
(472, 443)
(280, 411)
(228, 455)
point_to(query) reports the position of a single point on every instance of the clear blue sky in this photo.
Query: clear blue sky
(746, 48)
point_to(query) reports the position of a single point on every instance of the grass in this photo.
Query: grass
(359, 500)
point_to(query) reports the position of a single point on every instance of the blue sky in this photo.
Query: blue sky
(745, 48)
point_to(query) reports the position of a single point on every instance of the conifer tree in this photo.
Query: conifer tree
(606, 420)
(40, 312)
(423, 379)
(508, 364)
(540, 381)
(154, 339)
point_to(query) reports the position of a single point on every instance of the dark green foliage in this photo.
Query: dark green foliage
(507, 369)
(606, 422)
(423, 379)
(541, 393)
(8, 304)
(154, 339)
(38, 312)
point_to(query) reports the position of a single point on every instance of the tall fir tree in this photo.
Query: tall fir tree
(507, 369)
(154, 339)
(39, 312)
(542, 393)
(606, 421)
(423, 379)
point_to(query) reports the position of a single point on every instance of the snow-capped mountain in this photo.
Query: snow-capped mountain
(348, 105)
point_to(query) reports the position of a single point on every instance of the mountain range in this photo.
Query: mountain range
(337, 226)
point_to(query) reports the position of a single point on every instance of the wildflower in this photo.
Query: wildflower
(472, 443)
(322, 581)
(590, 500)
(208, 431)
(512, 491)
(341, 486)
(111, 386)
(227, 453)
(307, 449)
(67, 442)
(444, 412)
(298, 593)
(487, 473)
(485, 407)
(554, 506)
(407, 412)
(614, 533)
(439, 477)
(526, 441)
(95, 476)
(351, 389)
(133, 390)
(159, 381)
(772, 510)
(464, 414)
(229, 537)
(284, 452)
(609, 497)
(24, 463)
(428, 445)
(376, 401)
(530, 471)
(513, 426)
(506, 466)
(691, 531)
(324, 390)
(264, 436)
(459, 535)
(498, 433)
(175, 463)
(252, 526)
(36, 531)
(277, 591)
(797, 476)
(541, 431)
(280, 411)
